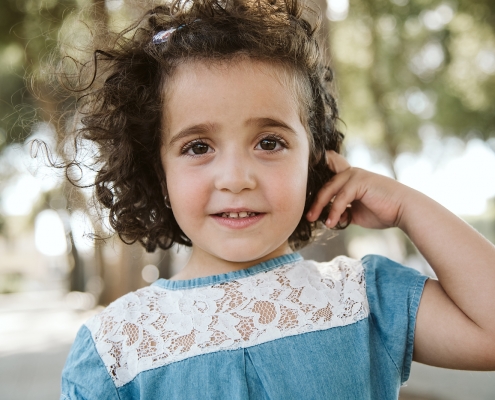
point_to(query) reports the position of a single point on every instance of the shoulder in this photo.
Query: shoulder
(340, 268)
(132, 309)
(372, 272)
(127, 306)
(119, 331)
(103, 344)
(385, 275)
(390, 284)
(342, 283)
(342, 274)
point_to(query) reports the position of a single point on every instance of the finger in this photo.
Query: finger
(345, 218)
(340, 204)
(327, 193)
(336, 162)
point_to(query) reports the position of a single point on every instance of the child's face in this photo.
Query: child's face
(234, 145)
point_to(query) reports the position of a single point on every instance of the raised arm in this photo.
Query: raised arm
(455, 325)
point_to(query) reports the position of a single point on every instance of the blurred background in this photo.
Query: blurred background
(416, 87)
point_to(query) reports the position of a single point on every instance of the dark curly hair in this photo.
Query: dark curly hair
(120, 109)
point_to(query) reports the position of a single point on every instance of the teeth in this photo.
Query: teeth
(242, 214)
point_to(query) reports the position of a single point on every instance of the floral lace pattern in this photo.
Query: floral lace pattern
(154, 326)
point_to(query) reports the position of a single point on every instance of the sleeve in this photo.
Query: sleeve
(84, 375)
(394, 293)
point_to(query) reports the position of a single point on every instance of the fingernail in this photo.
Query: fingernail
(309, 214)
(328, 222)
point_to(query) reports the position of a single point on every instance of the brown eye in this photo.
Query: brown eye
(268, 144)
(199, 148)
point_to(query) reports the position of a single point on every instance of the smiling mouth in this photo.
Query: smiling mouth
(239, 215)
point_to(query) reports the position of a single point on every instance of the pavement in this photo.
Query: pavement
(36, 375)
(430, 383)
(37, 329)
(36, 332)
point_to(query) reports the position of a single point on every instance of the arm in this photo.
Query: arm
(455, 325)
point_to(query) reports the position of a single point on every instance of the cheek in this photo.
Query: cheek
(187, 191)
(289, 187)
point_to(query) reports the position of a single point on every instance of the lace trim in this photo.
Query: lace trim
(153, 326)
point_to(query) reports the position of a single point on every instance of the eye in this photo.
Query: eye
(199, 148)
(272, 143)
(268, 144)
(196, 148)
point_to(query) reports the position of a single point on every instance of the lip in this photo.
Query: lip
(238, 223)
(235, 210)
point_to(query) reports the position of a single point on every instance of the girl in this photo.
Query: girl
(216, 130)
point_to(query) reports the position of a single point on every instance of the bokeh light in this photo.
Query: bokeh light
(150, 273)
(49, 234)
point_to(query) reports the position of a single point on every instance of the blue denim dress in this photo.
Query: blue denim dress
(284, 329)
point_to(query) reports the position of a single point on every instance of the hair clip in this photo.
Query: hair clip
(162, 36)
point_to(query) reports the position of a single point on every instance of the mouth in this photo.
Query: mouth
(238, 218)
(237, 215)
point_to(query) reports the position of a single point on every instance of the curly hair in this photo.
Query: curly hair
(120, 110)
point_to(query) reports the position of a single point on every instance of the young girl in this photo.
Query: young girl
(216, 130)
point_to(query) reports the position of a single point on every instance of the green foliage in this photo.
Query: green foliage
(402, 65)
(28, 31)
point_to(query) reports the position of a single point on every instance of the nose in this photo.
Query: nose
(235, 172)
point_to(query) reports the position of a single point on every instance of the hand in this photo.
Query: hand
(376, 201)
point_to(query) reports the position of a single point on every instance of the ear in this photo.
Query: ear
(160, 175)
(163, 184)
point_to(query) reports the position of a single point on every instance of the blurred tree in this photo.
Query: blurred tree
(29, 34)
(407, 69)
(11, 76)
(28, 31)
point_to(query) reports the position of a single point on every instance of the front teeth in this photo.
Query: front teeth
(242, 214)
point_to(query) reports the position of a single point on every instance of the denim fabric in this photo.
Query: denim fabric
(368, 359)
(394, 293)
(84, 375)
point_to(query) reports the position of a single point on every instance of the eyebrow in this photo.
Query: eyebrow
(269, 123)
(198, 129)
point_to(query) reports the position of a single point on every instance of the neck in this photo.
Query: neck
(203, 264)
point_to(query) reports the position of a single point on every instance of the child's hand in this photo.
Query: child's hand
(376, 201)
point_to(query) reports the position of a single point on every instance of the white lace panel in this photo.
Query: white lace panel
(156, 326)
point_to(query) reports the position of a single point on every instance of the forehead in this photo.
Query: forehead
(200, 88)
